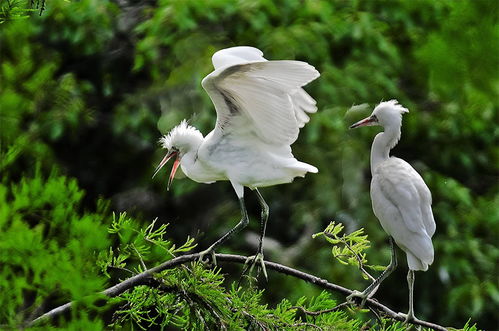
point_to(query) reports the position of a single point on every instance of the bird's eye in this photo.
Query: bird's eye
(374, 117)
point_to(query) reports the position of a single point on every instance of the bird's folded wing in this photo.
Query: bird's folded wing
(426, 211)
(403, 222)
(266, 94)
(405, 188)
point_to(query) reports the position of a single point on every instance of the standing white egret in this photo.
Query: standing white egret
(400, 199)
(260, 108)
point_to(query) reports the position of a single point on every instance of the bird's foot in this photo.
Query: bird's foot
(210, 251)
(408, 317)
(254, 260)
(354, 298)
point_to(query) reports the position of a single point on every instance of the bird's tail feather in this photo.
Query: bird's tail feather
(301, 168)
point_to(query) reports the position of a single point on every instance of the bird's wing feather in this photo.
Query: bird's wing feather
(401, 187)
(264, 93)
(427, 213)
(417, 245)
(303, 103)
(236, 55)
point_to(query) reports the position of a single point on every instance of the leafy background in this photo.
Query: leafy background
(88, 87)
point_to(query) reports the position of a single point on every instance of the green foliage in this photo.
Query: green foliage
(471, 224)
(349, 249)
(47, 248)
(88, 87)
(138, 247)
(19, 9)
(193, 297)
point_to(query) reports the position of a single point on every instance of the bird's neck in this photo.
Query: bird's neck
(382, 144)
(190, 157)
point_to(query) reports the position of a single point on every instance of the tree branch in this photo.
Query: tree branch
(144, 278)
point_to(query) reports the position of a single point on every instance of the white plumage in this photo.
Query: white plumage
(400, 198)
(402, 203)
(261, 107)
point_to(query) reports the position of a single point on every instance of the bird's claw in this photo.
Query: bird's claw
(257, 259)
(211, 252)
(407, 317)
(353, 298)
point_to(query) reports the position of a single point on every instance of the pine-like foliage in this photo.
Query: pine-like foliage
(86, 85)
(53, 252)
(47, 249)
(192, 297)
(19, 9)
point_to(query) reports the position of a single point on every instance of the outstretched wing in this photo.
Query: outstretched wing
(264, 96)
(402, 202)
(303, 104)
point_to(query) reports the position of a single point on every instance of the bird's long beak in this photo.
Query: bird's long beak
(172, 174)
(369, 121)
(174, 168)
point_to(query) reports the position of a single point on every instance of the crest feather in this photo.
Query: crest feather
(393, 104)
(179, 136)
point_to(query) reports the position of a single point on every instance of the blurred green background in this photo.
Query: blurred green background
(88, 87)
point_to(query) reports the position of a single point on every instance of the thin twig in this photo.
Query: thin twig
(144, 277)
(320, 312)
(140, 257)
(121, 268)
(311, 325)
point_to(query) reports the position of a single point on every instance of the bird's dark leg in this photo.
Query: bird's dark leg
(263, 220)
(263, 226)
(241, 225)
(389, 269)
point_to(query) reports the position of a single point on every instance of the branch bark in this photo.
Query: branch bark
(144, 278)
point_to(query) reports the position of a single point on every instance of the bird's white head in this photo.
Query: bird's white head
(181, 140)
(386, 114)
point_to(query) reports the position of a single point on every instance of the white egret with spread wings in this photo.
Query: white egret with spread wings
(260, 107)
(400, 199)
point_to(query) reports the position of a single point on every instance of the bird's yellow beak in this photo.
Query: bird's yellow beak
(174, 168)
(369, 121)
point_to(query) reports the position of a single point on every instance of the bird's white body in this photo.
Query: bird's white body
(248, 162)
(260, 108)
(402, 203)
